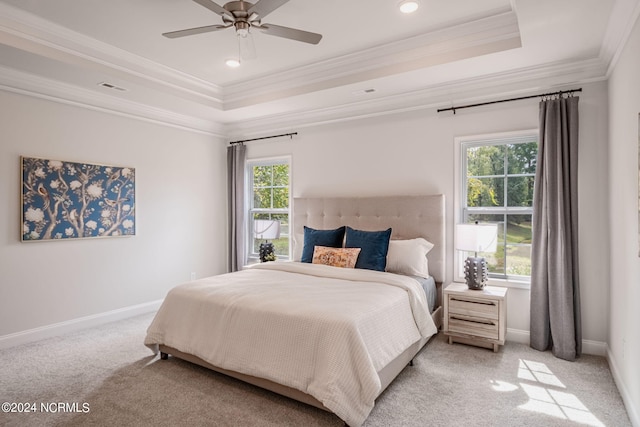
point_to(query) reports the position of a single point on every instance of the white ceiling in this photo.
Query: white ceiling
(448, 51)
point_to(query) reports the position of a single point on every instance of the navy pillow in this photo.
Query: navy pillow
(374, 245)
(313, 238)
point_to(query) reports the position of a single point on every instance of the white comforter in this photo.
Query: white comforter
(323, 330)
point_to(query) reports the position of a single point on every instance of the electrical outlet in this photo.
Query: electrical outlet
(193, 275)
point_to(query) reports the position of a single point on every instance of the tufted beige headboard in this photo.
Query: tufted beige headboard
(408, 216)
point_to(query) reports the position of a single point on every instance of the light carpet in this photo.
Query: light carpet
(106, 376)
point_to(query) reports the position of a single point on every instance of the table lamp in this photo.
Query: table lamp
(266, 229)
(476, 238)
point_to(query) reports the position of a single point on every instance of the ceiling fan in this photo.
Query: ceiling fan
(243, 15)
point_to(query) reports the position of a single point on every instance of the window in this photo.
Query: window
(497, 176)
(269, 186)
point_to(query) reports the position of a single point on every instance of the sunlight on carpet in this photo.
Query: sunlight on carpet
(544, 397)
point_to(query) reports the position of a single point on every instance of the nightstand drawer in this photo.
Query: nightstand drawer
(467, 306)
(476, 326)
(477, 317)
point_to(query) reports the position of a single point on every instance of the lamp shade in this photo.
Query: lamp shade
(266, 229)
(476, 237)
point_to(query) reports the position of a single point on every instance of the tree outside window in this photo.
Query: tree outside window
(269, 199)
(498, 178)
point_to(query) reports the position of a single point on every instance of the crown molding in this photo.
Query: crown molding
(479, 89)
(40, 87)
(623, 17)
(496, 32)
(34, 34)
(520, 82)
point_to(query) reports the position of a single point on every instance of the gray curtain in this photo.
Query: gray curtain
(236, 154)
(555, 290)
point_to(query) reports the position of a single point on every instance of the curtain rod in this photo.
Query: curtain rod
(509, 100)
(265, 137)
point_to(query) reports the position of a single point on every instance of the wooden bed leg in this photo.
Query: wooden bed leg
(164, 356)
(411, 362)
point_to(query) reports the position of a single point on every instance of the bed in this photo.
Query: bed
(330, 337)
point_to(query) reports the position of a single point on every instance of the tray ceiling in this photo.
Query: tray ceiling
(371, 57)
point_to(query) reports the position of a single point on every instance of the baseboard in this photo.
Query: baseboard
(30, 335)
(518, 335)
(596, 348)
(632, 411)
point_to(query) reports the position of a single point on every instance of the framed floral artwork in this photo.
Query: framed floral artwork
(69, 200)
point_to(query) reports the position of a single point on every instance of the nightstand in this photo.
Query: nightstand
(476, 317)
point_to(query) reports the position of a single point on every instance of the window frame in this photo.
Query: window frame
(460, 199)
(252, 256)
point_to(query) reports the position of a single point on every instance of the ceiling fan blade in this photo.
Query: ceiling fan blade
(265, 7)
(290, 33)
(215, 8)
(192, 31)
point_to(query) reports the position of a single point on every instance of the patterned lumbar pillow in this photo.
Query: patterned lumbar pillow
(336, 257)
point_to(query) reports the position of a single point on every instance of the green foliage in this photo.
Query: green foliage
(271, 186)
(480, 194)
(522, 157)
(486, 175)
(519, 232)
(270, 195)
(485, 160)
(489, 169)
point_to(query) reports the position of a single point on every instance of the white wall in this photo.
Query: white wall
(413, 153)
(181, 186)
(624, 335)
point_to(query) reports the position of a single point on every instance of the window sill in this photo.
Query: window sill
(253, 260)
(503, 283)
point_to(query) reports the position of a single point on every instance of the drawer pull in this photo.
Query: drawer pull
(474, 302)
(480, 321)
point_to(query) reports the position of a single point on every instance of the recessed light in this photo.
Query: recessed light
(232, 63)
(363, 91)
(112, 86)
(409, 6)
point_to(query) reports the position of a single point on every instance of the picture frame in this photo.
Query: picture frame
(64, 200)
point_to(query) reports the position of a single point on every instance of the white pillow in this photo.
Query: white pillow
(409, 257)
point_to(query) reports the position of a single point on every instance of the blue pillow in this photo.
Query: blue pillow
(313, 238)
(374, 247)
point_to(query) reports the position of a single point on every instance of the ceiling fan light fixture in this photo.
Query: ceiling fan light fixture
(246, 46)
(242, 28)
(409, 6)
(242, 15)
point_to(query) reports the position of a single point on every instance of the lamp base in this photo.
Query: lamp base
(476, 272)
(266, 252)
